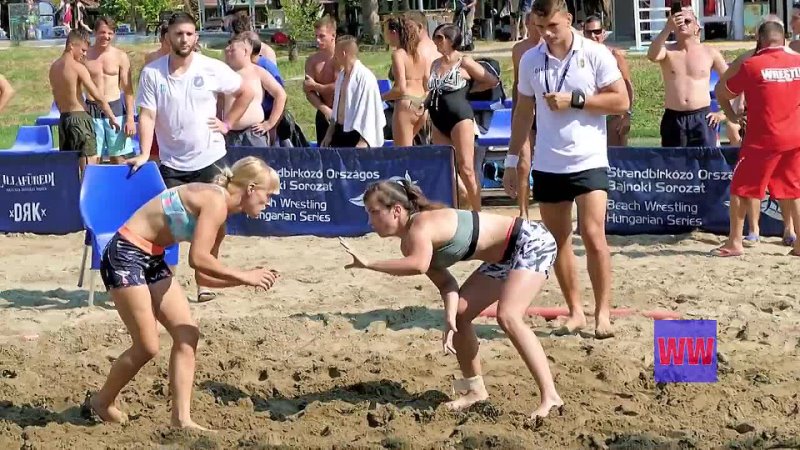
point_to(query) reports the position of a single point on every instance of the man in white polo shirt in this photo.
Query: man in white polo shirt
(572, 83)
(178, 101)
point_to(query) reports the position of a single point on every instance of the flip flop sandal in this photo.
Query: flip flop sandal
(751, 240)
(722, 252)
(206, 296)
(789, 240)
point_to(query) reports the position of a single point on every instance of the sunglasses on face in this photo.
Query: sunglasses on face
(596, 32)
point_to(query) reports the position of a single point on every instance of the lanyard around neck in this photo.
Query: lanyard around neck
(560, 81)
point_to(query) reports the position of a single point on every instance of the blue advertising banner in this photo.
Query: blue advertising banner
(322, 189)
(675, 191)
(39, 193)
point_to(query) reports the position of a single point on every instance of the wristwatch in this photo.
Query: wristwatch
(578, 99)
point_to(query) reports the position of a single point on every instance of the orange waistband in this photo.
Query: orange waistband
(143, 244)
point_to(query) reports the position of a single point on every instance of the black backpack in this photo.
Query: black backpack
(496, 94)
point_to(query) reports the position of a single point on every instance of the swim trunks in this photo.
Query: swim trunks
(245, 138)
(76, 133)
(109, 142)
(687, 129)
(758, 169)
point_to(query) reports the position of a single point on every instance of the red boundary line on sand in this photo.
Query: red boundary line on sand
(551, 313)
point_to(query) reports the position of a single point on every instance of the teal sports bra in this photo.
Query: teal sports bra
(181, 223)
(462, 245)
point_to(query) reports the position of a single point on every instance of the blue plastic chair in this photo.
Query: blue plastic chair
(384, 86)
(712, 83)
(33, 137)
(110, 194)
(499, 132)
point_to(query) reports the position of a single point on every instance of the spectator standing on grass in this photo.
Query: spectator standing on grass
(320, 75)
(617, 126)
(253, 129)
(110, 69)
(575, 83)
(686, 68)
(69, 78)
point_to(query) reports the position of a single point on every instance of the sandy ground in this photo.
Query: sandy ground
(332, 360)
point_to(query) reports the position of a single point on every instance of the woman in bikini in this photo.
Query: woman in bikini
(407, 73)
(517, 254)
(450, 111)
(144, 291)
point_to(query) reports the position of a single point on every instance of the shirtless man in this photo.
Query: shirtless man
(110, 69)
(241, 24)
(251, 129)
(163, 50)
(6, 92)
(619, 126)
(686, 68)
(427, 48)
(320, 72)
(68, 78)
(353, 71)
(523, 172)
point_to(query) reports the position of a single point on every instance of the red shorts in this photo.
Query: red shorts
(757, 169)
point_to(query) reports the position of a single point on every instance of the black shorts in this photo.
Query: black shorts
(173, 177)
(123, 264)
(344, 139)
(565, 187)
(321, 124)
(687, 129)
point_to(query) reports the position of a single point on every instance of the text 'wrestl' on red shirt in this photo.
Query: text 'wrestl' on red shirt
(770, 81)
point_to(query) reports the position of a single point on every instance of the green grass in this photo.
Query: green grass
(26, 69)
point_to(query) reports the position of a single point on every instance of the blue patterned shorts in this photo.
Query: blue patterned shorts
(535, 249)
(123, 264)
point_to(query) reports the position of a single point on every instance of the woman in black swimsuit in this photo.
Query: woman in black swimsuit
(449, 109)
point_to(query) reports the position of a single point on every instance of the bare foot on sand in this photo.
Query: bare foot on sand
(573, 324)
(190, 425)
(602, 326)
(467, 400)
(544, 409)
(109, 413)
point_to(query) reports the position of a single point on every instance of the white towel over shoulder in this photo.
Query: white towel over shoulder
(363, 108)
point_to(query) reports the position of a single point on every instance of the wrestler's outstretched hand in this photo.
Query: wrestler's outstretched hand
(358, 261)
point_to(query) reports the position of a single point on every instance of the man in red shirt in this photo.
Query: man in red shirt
(770, 152)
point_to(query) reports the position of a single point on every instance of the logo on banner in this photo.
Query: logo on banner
(27, 212)
(359, 200)
(27, 182)
(769, 207)
(685, 351)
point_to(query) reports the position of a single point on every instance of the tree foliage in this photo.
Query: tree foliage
(150, 10)
(300, 18)
(119, 10)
